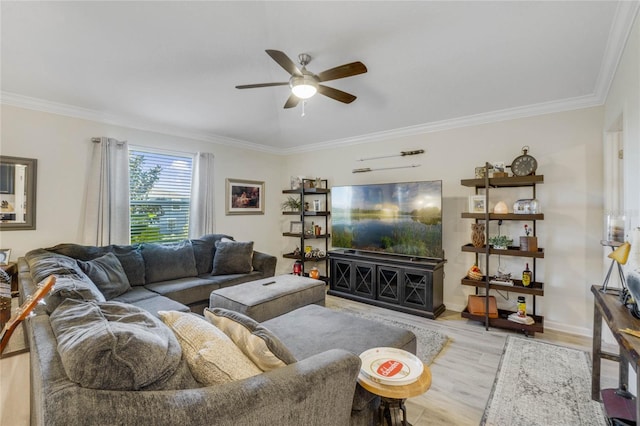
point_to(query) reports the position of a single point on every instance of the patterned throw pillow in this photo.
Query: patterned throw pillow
(212, 356)
(257, 342)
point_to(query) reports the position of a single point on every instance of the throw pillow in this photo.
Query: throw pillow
(164, 262)
(203, 250)
(232, 257)
(257, 342)
(212, 357)
(72, 286)
(107, 274)
(114, 346)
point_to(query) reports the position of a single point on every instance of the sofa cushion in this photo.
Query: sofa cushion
(107, 274)
(164, 262)
(256, 341)
(212, 356)
(232, 257)
(204, 249)
(128, 255)
(114, 346)
(72, 286)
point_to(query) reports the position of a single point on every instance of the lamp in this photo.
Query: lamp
(303, 86)
(619, 256)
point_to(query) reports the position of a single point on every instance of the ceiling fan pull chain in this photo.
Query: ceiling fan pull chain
(304, 102)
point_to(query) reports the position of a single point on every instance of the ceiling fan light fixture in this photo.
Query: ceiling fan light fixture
(304, 86)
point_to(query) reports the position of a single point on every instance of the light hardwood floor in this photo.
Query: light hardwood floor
(463, 373)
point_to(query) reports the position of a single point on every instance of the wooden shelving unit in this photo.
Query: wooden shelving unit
(536, 288)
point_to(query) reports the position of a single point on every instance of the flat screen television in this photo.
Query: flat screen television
(399, 218)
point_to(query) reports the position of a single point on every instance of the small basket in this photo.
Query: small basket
(475, 275)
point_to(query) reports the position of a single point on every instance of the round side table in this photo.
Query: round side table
(392, 408)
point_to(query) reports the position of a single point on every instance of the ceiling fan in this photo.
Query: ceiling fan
(304, 84)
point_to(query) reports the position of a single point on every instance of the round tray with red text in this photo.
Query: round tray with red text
(390, 366)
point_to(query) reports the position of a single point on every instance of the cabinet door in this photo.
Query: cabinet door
(416, 289)
(341, 271)
(389, 282)
(363, 280)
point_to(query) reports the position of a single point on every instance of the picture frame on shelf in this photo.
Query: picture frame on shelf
(477, 204)
(5, 255)
(244, 197)
(295, 227)
(296, 182)
(480, 172)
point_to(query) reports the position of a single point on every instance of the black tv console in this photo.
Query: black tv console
(402, 283)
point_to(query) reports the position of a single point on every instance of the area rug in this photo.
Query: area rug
(429, 342)
(542, 384)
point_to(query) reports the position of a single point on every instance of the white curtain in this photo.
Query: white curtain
(106, 219)
(201, 213)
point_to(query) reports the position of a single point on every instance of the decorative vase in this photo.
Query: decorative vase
(528, 243)
(477, 234)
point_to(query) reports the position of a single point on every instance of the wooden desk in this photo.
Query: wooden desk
(608, 307)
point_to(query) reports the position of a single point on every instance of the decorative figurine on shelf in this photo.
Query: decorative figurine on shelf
(475, 273)
(297, 268)
(528, 243)
(314, 273)
(477, 234)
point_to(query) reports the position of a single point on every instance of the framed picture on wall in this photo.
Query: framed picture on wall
(244, 197)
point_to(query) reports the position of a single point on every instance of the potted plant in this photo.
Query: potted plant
(292, 204)
(528, 243)
(500, 242)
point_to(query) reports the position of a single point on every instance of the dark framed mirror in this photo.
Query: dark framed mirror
(17, 193)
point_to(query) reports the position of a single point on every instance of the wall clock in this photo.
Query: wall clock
(525, 164)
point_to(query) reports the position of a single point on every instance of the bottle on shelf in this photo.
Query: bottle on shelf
(522, 306)
(526, 276)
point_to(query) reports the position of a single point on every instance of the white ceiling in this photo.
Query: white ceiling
(173, 66)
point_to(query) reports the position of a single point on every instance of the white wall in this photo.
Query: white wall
(568, 149)
(567, 146)
(62, 147)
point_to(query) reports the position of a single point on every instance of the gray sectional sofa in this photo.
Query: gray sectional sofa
(319, 389)
(164, 276)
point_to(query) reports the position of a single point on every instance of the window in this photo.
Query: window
(160, 192)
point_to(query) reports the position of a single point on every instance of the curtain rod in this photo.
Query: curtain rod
(97, 140)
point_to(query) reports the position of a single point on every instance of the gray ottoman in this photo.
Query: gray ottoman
(270, 297)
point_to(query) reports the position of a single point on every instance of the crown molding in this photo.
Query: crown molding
(626, 13)
(20, 101)
(580, 102)
(26, 102)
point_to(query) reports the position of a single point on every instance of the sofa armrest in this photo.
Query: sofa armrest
(264, 263)
(316, 391)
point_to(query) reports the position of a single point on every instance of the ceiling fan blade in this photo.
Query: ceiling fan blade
(283, 60)
(346, 70)
(253, 86)
(292, 101)
(336, 94)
